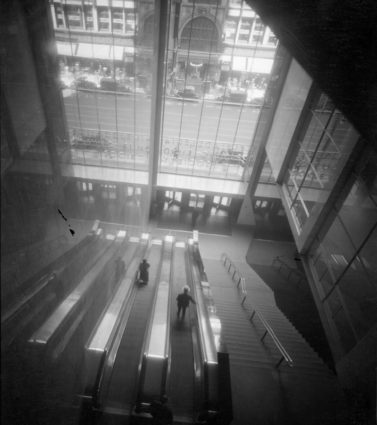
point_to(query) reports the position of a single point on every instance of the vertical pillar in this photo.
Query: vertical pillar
(83, 16)
(110, 15)
(161, 25)
(95, 18)
(266, 35)
(52, 7)
(40, 30)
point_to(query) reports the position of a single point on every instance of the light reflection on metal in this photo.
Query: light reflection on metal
(169, 238)
(155, 356)
(121, 234)
(190, 241)
(195, 236)
(145, 236)
(157, 341)
(156, 242)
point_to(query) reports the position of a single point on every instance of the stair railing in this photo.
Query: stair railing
(281, 265)
(241, 285)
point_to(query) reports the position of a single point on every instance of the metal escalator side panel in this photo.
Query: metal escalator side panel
(209, 326)
(127, 295)
(58, 320)
(154, 364)
(199, 369)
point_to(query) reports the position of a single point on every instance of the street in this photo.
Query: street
(182, 119)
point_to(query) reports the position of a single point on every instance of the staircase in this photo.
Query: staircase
(307, 393)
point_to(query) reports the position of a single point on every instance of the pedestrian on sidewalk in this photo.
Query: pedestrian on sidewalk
(183, 301)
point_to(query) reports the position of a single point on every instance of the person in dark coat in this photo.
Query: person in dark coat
(57, 285)
(143, 271)
(119, 268)
(161, 413)
(194, 217)
(183, 300)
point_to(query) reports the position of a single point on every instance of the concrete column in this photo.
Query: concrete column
(266, 34)
(40, 32)
(52, 7)
(110, 20)
(95, 18)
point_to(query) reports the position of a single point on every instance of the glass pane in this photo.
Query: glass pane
(325, 146)
(212, 96)
(359, 211)
(339, 248)
(360, 297)
(339, 316)
(105, 86)
(368, 258)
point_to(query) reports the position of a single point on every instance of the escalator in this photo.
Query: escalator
(120, 388)
(181, 390)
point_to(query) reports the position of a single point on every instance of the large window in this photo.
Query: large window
(103, 19)
(324, 147)
(118, 21)
(245, 30)
(211, 101)
(88, 16)
(74, 17)
(344, 261)
(230, 30)
(59, 15)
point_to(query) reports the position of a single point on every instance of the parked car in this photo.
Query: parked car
(231, 157)
(234, 97)
(89, 142)
(187, 93)
(83, 83)
(110, 84)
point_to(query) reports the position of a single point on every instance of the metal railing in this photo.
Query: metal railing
(241, 285)
(281, 265)
(236, 275)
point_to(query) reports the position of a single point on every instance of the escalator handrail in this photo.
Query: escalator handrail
(69, 303)
(141, 370)
(39, 279)
(199, 333)
(201, 310)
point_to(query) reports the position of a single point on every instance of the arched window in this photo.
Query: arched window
(203, 35)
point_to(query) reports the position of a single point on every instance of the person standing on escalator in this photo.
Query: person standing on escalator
(161, 413)
(183, 300)
(143, 271)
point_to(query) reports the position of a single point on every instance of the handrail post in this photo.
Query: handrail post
(264, 335)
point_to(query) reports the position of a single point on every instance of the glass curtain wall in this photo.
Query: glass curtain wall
(214, 89)
(344, 261)
(325, 144)
(105, 75)
(217, 64)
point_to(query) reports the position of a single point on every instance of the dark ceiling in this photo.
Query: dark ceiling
(336, 42)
